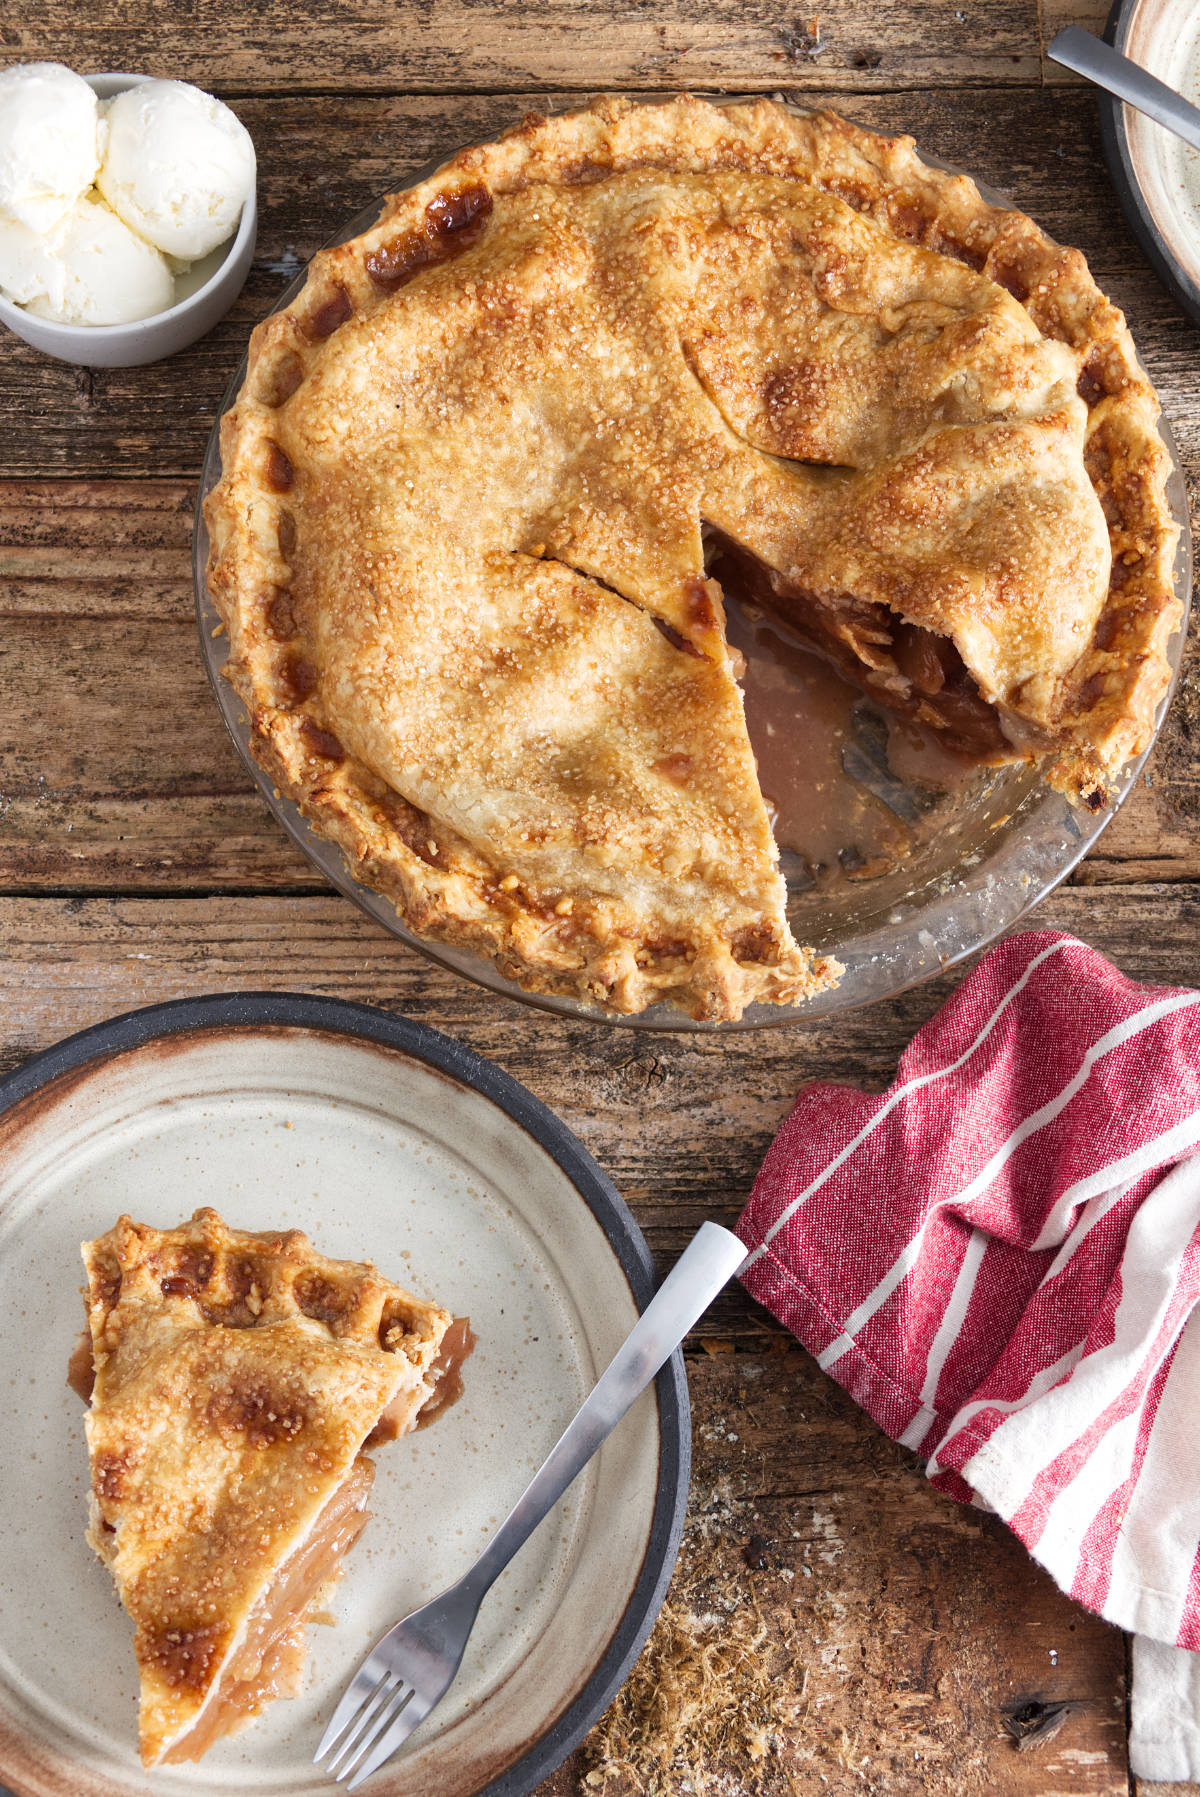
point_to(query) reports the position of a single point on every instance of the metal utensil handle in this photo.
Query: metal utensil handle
(1077, 49)
(705, 1267)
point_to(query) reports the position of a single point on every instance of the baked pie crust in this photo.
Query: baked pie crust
(486, 471)
(237, 1377)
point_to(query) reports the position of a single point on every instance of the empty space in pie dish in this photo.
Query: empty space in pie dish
(377, 1157)
(988, 848)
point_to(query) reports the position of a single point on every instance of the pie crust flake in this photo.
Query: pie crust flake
(235, 1378)
(488, 470)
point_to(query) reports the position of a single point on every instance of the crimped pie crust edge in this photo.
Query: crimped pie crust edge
(1126, 673)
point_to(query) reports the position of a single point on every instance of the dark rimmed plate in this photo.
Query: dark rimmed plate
(385, 1140)
(1157, 175)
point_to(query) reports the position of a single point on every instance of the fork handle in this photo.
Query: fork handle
(707, 1264)
(1090, 56)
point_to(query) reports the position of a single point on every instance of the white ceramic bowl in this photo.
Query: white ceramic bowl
(205, 293)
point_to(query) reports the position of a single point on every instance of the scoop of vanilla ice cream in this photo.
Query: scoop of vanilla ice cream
(178, 166)
(51, 142)
(92, 269)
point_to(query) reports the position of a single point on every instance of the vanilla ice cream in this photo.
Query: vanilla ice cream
(92, 269)
(178, 167)
(51, 142)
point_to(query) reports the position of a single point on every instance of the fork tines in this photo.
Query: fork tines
(367, 1709)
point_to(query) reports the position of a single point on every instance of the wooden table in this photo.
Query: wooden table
(137, 863)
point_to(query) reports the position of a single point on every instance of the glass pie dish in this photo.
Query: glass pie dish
(973, 856)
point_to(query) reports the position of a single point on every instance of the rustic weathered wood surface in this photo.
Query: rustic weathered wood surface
(137, 862)
(265, 46)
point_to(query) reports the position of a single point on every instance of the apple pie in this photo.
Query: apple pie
(234, 1380)
(490, 471)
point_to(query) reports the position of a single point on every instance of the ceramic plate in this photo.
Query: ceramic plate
(986, 856)
(1157, 175)
(384, 1141)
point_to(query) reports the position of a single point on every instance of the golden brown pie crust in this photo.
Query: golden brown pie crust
(237, 1376)
(459, 538)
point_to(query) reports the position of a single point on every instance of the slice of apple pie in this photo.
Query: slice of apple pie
(234, 1380)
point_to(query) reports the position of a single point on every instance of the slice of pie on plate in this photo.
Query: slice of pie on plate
(488, 472)
(235, 1379)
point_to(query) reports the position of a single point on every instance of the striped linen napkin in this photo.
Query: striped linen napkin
(999, 1258)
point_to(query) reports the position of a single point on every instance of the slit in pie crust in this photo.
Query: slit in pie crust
(487, 471)
(234, 1379)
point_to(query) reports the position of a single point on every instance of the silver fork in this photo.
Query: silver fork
(411, 1667)
(1091, 57)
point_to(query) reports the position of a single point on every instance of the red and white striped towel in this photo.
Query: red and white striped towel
(999, 1257)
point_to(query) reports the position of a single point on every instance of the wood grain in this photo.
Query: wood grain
(322, 160)
(906, 1628)
(410, 46)
(681, 1120)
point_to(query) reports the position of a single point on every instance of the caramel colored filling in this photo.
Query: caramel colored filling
(446, 1371)
(907, 669)
(269, 1660)
(81, 1368)
(445, 1377)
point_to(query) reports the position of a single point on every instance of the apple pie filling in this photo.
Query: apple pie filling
(269, 1659)
(903, 666)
